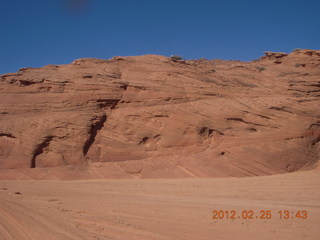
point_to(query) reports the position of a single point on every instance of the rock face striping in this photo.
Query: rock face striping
(150, 116)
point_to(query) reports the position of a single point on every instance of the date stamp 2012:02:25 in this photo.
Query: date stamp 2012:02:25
(262, 214)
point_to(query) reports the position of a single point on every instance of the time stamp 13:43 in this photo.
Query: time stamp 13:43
(262, 214)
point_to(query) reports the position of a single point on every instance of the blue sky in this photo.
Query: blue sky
(35, 33)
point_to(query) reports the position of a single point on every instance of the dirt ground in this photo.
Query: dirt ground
(171, 209)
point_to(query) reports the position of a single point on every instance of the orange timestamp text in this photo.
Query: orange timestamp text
(260, 214)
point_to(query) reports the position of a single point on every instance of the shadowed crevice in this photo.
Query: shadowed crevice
(144, 140)
(39, 150)
(93, 133)
(208, 132)
(9, 135)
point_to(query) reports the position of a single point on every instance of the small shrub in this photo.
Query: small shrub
(260, 69)
(298, 65)
(296, 49)
(175, 58)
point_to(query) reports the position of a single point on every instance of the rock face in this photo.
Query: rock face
(150, 116)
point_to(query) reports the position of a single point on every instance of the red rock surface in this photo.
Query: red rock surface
(149, 116)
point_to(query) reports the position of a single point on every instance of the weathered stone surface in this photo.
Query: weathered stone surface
(149, 116)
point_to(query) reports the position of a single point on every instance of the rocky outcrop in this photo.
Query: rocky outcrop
(275, 56)
(149, 116)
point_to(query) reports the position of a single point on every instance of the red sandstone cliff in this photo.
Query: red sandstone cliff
(149, 116)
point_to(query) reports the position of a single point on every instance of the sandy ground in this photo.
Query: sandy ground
(177, 209)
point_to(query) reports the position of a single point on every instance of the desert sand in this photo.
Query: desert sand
(164, 209)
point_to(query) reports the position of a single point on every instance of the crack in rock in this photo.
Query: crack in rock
(39, 150)
(95, 127)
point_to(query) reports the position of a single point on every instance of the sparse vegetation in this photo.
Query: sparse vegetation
(260, 69)
(175, 58)
(298, 65)
(296, 49)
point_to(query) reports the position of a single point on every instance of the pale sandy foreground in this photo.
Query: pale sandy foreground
(179, 209)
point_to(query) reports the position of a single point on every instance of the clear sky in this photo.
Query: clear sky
(34, 33)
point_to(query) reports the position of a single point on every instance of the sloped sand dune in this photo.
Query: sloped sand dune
(164, 209)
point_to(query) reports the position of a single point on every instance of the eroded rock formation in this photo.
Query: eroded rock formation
(149, 116)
